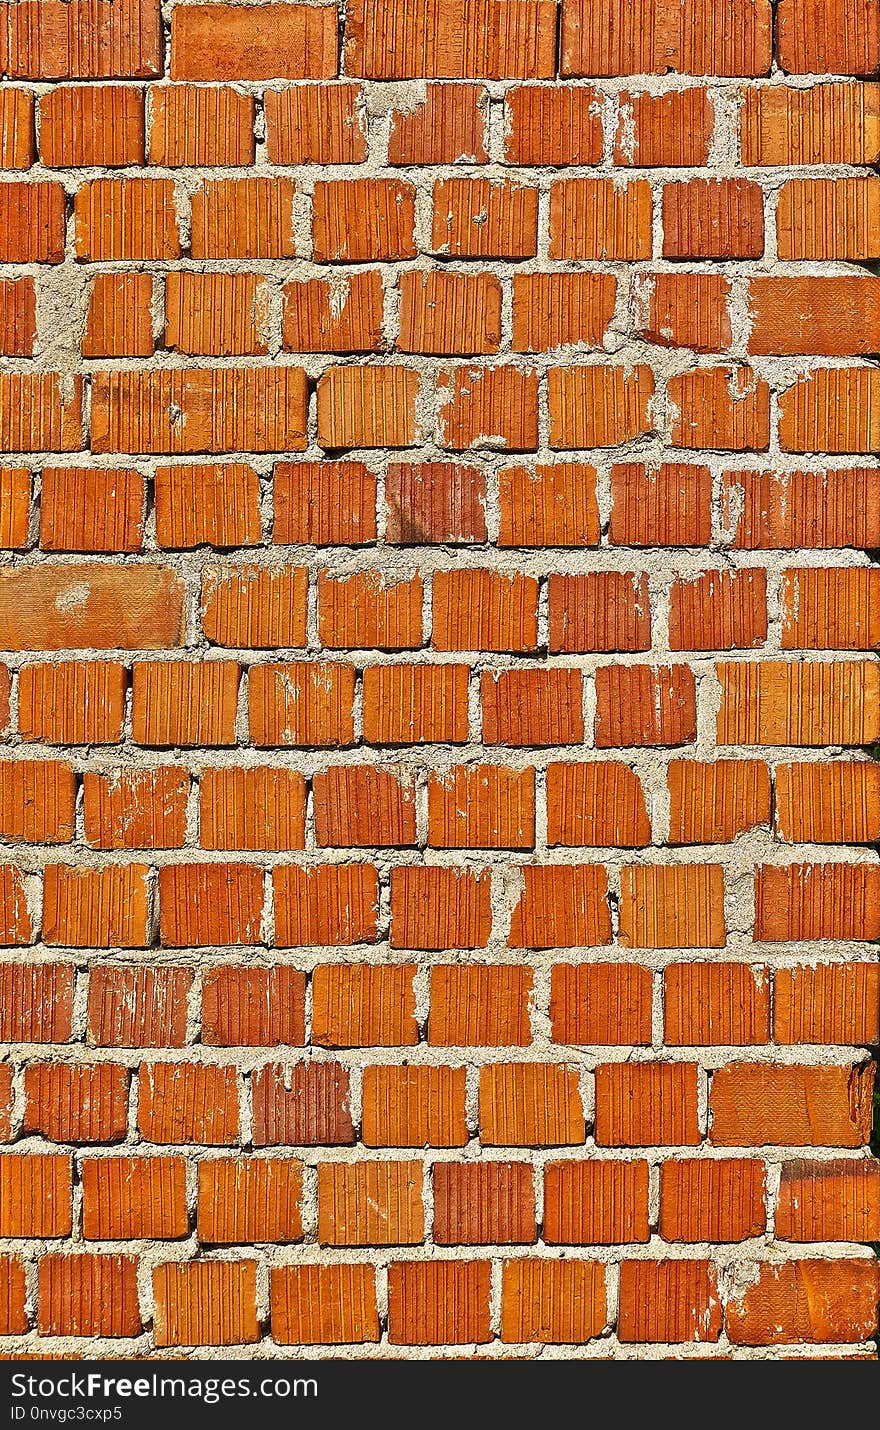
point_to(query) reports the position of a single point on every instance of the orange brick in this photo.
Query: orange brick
(16, 128)
(35, 1195)
(325, 904)
(830, 609)
(557, 126)
(781, 703)
(484, 218)
(5, 688)
(556, 1302)
(831, 410)
(359, 806)
(204, 904)
(96, 908)
(362, 1005)
(56, 607)
(64, 1103)
(434, 502)
(72, 703)
(125, 218)
(668, 1301)
(599, 406)
(439, 1303)
(830, 218)
(708, 1199)
(817, 901)
(806, 1300)
(836, 802)
(211, 505)
(488, 408)
(37, 799)
(36, 1000)
(532, 707)
(831, 1003)
(18, 318)
(301, 703)
(218, 314)
(415, 704)
(601, 803)
(84, 126)
(684, 310)
(367, 610)
(15, 919)
(595, 1202)
(553, 310)
(32, 222)
(91, 509)
(253, 808)
(305, 1105)
(647, 1104)
(754, 1105)
(324, 504)
(138, 1007)
(718, 610)
(670, 505)
(672, 906)
(275, 41)
(713, 803)
(37, 414)
(447, 127)
(711, 1004)
(435, 908)
(720, 408)
(831, 123)
(13, 1293)
(713, 218)
(827, 315)
(645, 705)
(482, 807)
(561, 906)
(340, 316)
(15, 507)
(664, 130)
(449, 312)
(249, 1199)
(484, 610)
(6, 1103)
(324, 1305)
(255, 607)
(126, 1198)
(357, 220)
(414, 1107)
(136, 809)
(484, 1203)
(814, 38)
(184, 703)
(207, 1303)
(88, 1295)
(370, 1204)
(119, 322)
(604, 1003)
(455, 41)
(600, 219)
(196, 126)
(253, 1007)
(368, 407)
(243, 218)
(89, 42)
(602, 611)
(530, 1105)
(552, 506)
(315, 124)
(188, 1102)
(181, 410)
(480, 1005)
(837, 1200)
(611, 37)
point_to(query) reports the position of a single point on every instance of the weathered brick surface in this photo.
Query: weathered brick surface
(439, 683)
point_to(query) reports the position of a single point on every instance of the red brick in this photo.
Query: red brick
(274, 41)
(96, 908)
(604, 1003)
(197, 126)
(720, 408)
(301, 703)
(552, 506)
(210, 504)
(130, 218)
(72, 703)
(556, 1302)
(361, 1005)
(15, 507)
(439, 1303)
(830, 609)
(136, 809)
(447, 127)
(213, 904)
(357, 220)
(85, 126)
(126, 1198)
(532, 707)
(713, 218)
(15, 918)
(483, 1203)
(643, 705)
(600, 803)
(484, 610)
(485, 40)
(718, 610)
(415, 704)
(414, 1107)
(684, 310)
(36, 1002)
(434, 502)
(600, 219)
(830, 218)
(664, 130)
(716, 1004)
(303, 1105)
(435, 908)
(368, 407)
(249, 1199)
(612, 37)
(672, 906)
(222, 314)
(484, 218)
(324, 1305)
(367, 610)
(13, 1293)
(120, 321)
(324, 504)
(647, 1104)
(561, 906)
(243, 218)
(668, 1301)
(488, 408)
(84, 40)
(206, 1303)
(325, 904)
(60, 606)
(599, 406)
(138, 1007)
(449, 312)
(827, 315)
(670, 505)
(32, 222)
(709, 1199)
(184, 703)
(342, 316)
(481, 807)
(831, 410)
(315, 123)
(831, 1003)
(90, 509)
(781, 703)
(831, 123)
(755, 1105)
(37, 799)
(595, 1202)
(65, 1103)
(553, 310)
(35, 1195)
(555, 126)
(806, 1300)
(837, 1200)
(603, 611)
(253, 1007)
(358, 806)
(817, 901)
(88, 1295)
(38, 414)
(253, 808)
(255, 607)
(712, 803)
(18, 318)
(828, 38)
(16, 128)
(370, 1204)
(480, 1005)
(188, 1102)
(837, 802)
(530, 1105)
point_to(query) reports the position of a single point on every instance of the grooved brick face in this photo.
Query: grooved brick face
(439, 696)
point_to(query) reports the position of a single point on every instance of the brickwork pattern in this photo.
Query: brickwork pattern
(439, 898)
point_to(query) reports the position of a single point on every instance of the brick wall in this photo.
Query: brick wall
(439, 901)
